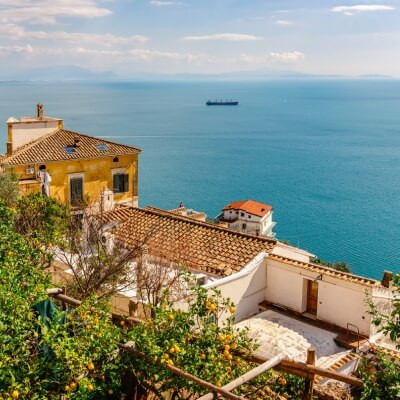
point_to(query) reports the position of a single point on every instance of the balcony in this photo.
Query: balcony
(220, 218)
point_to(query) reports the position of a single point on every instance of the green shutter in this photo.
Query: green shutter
(76, 187)
(126, 183)
(115, 183)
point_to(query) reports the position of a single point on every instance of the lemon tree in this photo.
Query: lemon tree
(197, 340)
(75, 354)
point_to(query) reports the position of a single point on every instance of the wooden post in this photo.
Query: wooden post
(248, 376)
(310, 381)
(129, 347)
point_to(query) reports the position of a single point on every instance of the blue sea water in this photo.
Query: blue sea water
(325, 154)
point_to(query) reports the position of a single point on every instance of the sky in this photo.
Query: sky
(136, 37)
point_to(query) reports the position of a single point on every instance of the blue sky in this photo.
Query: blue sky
(132, 37)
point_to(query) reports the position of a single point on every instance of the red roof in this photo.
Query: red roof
(250, 206)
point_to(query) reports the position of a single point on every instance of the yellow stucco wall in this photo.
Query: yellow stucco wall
(97, 175)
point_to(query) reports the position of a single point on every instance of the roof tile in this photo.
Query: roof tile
(200, 245)
(51, 147)
(326, 270)
(249, 206)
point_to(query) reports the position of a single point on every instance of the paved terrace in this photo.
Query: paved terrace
(278, 333)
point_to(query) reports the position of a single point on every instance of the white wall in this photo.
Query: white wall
(339, 301)
(245, 288)
(341, 305)
(23, 133)
(284, 287)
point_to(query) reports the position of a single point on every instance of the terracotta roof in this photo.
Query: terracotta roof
(51, 147)
(326, 271)
(249, 206)
(201, 246)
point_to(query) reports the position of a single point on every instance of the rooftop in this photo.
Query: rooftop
(326, 270)
(30, 119)
(200, 246)
(204, 246)
(249, 206)
(64, 145)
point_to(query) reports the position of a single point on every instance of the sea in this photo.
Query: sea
(324, 153)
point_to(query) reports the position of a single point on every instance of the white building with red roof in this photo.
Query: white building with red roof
(249, 216)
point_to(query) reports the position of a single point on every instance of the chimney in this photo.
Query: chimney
(9, 149)
(387, 279)
(40, 111)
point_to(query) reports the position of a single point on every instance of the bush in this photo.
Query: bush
(9, 187)
(381, 377)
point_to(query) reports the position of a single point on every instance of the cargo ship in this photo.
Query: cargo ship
(222, 103)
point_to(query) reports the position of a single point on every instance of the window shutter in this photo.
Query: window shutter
(115, 183)
(126, 183)
(76, 187)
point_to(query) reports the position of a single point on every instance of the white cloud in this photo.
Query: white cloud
(48, 11)
(287, 56)
(227, 37)
(165, 3)
(26, 49)
(16, 32)
(349, 10)
(283, 22)
(134, 54)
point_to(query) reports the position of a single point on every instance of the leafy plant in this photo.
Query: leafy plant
(9, 187)
(381, 378)
(338, 265)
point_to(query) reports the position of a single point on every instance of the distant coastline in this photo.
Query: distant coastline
(78, 74)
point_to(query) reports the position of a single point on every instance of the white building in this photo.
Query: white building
(249, 216)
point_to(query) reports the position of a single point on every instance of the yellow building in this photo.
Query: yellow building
(78, 165)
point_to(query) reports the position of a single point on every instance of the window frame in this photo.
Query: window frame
(126, 183)
(81, 176)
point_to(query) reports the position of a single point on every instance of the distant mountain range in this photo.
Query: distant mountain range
(75, 73)
(58, 73)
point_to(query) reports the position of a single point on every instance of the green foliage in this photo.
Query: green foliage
(291, 385)
(271, 384)
(197, 340)
(80, 358)
(389, 324)
(21, 285)
(338, 265)
(75, 354)
(381, 378)
(41, 218)
(9, 187)
(43, 359)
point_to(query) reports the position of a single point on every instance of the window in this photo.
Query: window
(242, 214)
(76, 191)
(69, 149)
(121, 183)
(102, 147)
(115, 159)
(244, 227)
(249, 216)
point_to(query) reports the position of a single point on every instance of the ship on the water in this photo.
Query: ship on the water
(222, 103)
